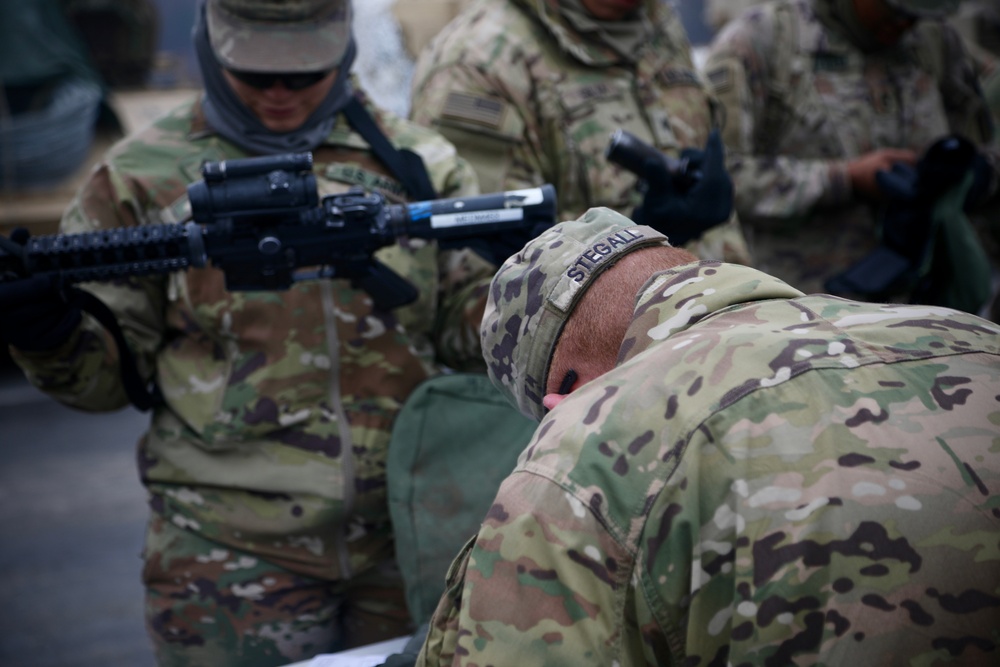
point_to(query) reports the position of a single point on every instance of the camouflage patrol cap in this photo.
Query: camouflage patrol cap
(535, 291)
(279, 35)
(925, 9)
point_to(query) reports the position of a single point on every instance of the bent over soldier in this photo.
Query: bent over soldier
(727, 471)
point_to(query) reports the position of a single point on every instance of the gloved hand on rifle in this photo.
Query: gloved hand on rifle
(34, 313)
(686, 205)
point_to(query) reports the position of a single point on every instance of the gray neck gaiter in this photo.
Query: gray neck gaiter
(227, 115)
(625, 36)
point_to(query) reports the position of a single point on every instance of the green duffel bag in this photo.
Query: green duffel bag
(453, 442)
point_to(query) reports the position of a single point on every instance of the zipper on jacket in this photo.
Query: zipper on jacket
(346, 442)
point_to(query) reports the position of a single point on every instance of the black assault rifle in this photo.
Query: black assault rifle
(261, 221)
(631, 153)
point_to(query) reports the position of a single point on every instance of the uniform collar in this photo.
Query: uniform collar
(341, 135)
(675, 300)
(584, 46)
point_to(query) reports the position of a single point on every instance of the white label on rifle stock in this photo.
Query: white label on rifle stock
(526, 197)
(476, 217)
(513, 202)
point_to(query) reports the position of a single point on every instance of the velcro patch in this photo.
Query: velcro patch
(678, 77)
(829, 62)
(720, 79)
(486, 111)
(354, 175)
(578, 95)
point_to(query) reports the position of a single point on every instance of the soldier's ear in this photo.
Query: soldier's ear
(550, 401)
(570, 383)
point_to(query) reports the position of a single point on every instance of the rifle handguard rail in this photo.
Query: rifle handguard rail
(113, 253)
(260, 220)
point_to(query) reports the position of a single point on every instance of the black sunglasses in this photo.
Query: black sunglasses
(290, 80)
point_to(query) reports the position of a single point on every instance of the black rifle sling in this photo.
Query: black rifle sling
(404, 164)
(138, 391)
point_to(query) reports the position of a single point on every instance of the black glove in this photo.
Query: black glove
(906, 217)
(685, 205)
(905, 260)
(983, 175)
(911, 192)
(34, 313)
(944, 165)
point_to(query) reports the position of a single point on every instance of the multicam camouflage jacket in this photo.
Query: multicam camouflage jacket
(765, 478)
(801, 99)
(529, 99)
(278, 405)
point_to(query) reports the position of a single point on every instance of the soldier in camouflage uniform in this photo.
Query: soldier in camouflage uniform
(529, 91)
(269, 539)
(739, 474)
(819, 96)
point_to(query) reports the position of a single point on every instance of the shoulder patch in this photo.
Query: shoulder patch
(576, 95)
(352, 174)
(485, 111)
(675, 76)
(720, 79)
(829, 62)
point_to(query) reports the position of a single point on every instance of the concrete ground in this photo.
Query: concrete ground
(72, 516)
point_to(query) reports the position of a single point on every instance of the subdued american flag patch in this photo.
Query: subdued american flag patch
(474, 109)
(720, 79)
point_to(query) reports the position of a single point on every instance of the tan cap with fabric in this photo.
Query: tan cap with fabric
(279, 35)
(535, 291)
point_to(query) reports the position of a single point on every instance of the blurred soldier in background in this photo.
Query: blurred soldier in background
(269, 539)
(121, 36)
(530, 91)
(822, 95)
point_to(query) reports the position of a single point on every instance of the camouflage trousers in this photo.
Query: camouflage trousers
(208, 605)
